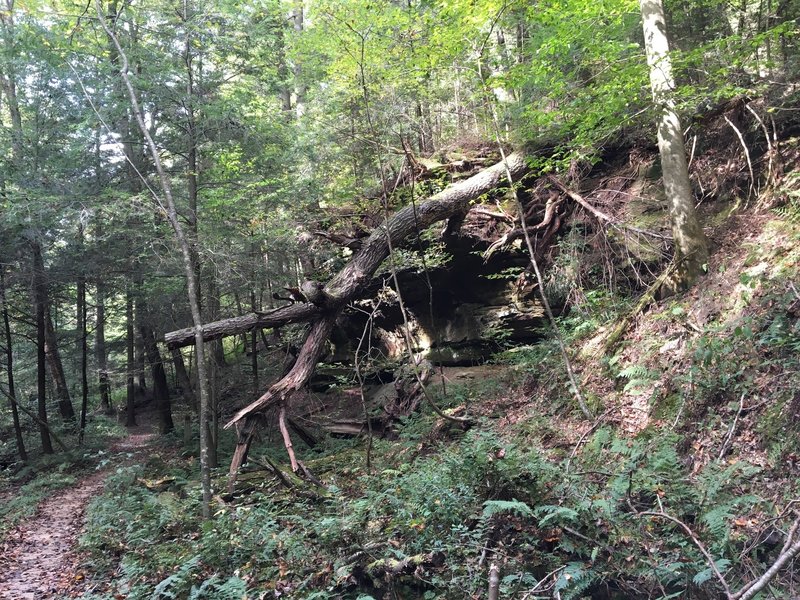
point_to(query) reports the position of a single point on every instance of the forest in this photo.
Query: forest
(400, 299)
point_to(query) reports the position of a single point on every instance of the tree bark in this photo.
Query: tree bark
(82, 343)
(691, 246)
(40, 304)
(452, 201)
(182, 376)
(130, 397)
(293, 313)
(57, 369)
(159, 375)
(100, 349)
(12, 398)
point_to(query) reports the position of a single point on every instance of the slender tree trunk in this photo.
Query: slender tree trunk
(184, 381)
(130, 400)
(254, 345)
(691, 246)
(82, 343)
(139, 353)
(217, 348)
(8, 81)
(57, 369)
(193, 285)
(100, 349)
(300, 88)
(9, 87)
(159, 375)
(40, 304)
(284, 90)
(12, 397)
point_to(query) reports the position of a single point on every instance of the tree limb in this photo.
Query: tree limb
(346, 285)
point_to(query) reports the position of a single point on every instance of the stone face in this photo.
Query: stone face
(461, 319)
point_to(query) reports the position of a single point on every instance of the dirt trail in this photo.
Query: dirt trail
(38, 560)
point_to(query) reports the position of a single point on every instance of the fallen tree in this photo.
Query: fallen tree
(325, 302)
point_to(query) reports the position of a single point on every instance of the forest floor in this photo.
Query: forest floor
(39, 558)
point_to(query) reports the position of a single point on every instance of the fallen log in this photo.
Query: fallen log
(293, 313)
(343, 288)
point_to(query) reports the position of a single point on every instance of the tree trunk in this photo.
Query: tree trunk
(297, 69)
(454, 200)
(8, 82)
(160, 387)
(193, 285)
(82, 344)
(254, 345)
(130, 399)
(691, 246)
(182, 376)
(139, 316)
(12, 398)
(217, 349)
(40, 304)
(100, 349)
(57, 369)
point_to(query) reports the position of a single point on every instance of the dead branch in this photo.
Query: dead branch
(600, 215)
(647, 298)
(746, 155)
(787, 554)
(696, 541)
(347, 284)
(726, 443)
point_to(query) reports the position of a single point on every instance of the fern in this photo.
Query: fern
(634, 372)
(574, 580)
(173, 586)
(706, 574)
(494, 507)
(637, 376)
(551, 513)
(230, 589)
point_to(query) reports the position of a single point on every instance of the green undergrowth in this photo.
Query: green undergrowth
(427, 522)
(566, 507)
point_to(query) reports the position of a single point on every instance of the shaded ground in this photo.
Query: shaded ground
(38, 558)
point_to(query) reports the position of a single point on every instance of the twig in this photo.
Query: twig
(586, 434)
(766, 136)
(366, 334)
(586, 538)
(794, 289)
(492, 214)
(271, 466)
(494, 581)
(790, 536)
(696, 541)
(753, 588)
(600, 214)
(746, 155)
(541, 581)
(287, 440)
(732, 429)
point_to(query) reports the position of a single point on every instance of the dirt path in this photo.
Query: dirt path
(38, 560)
